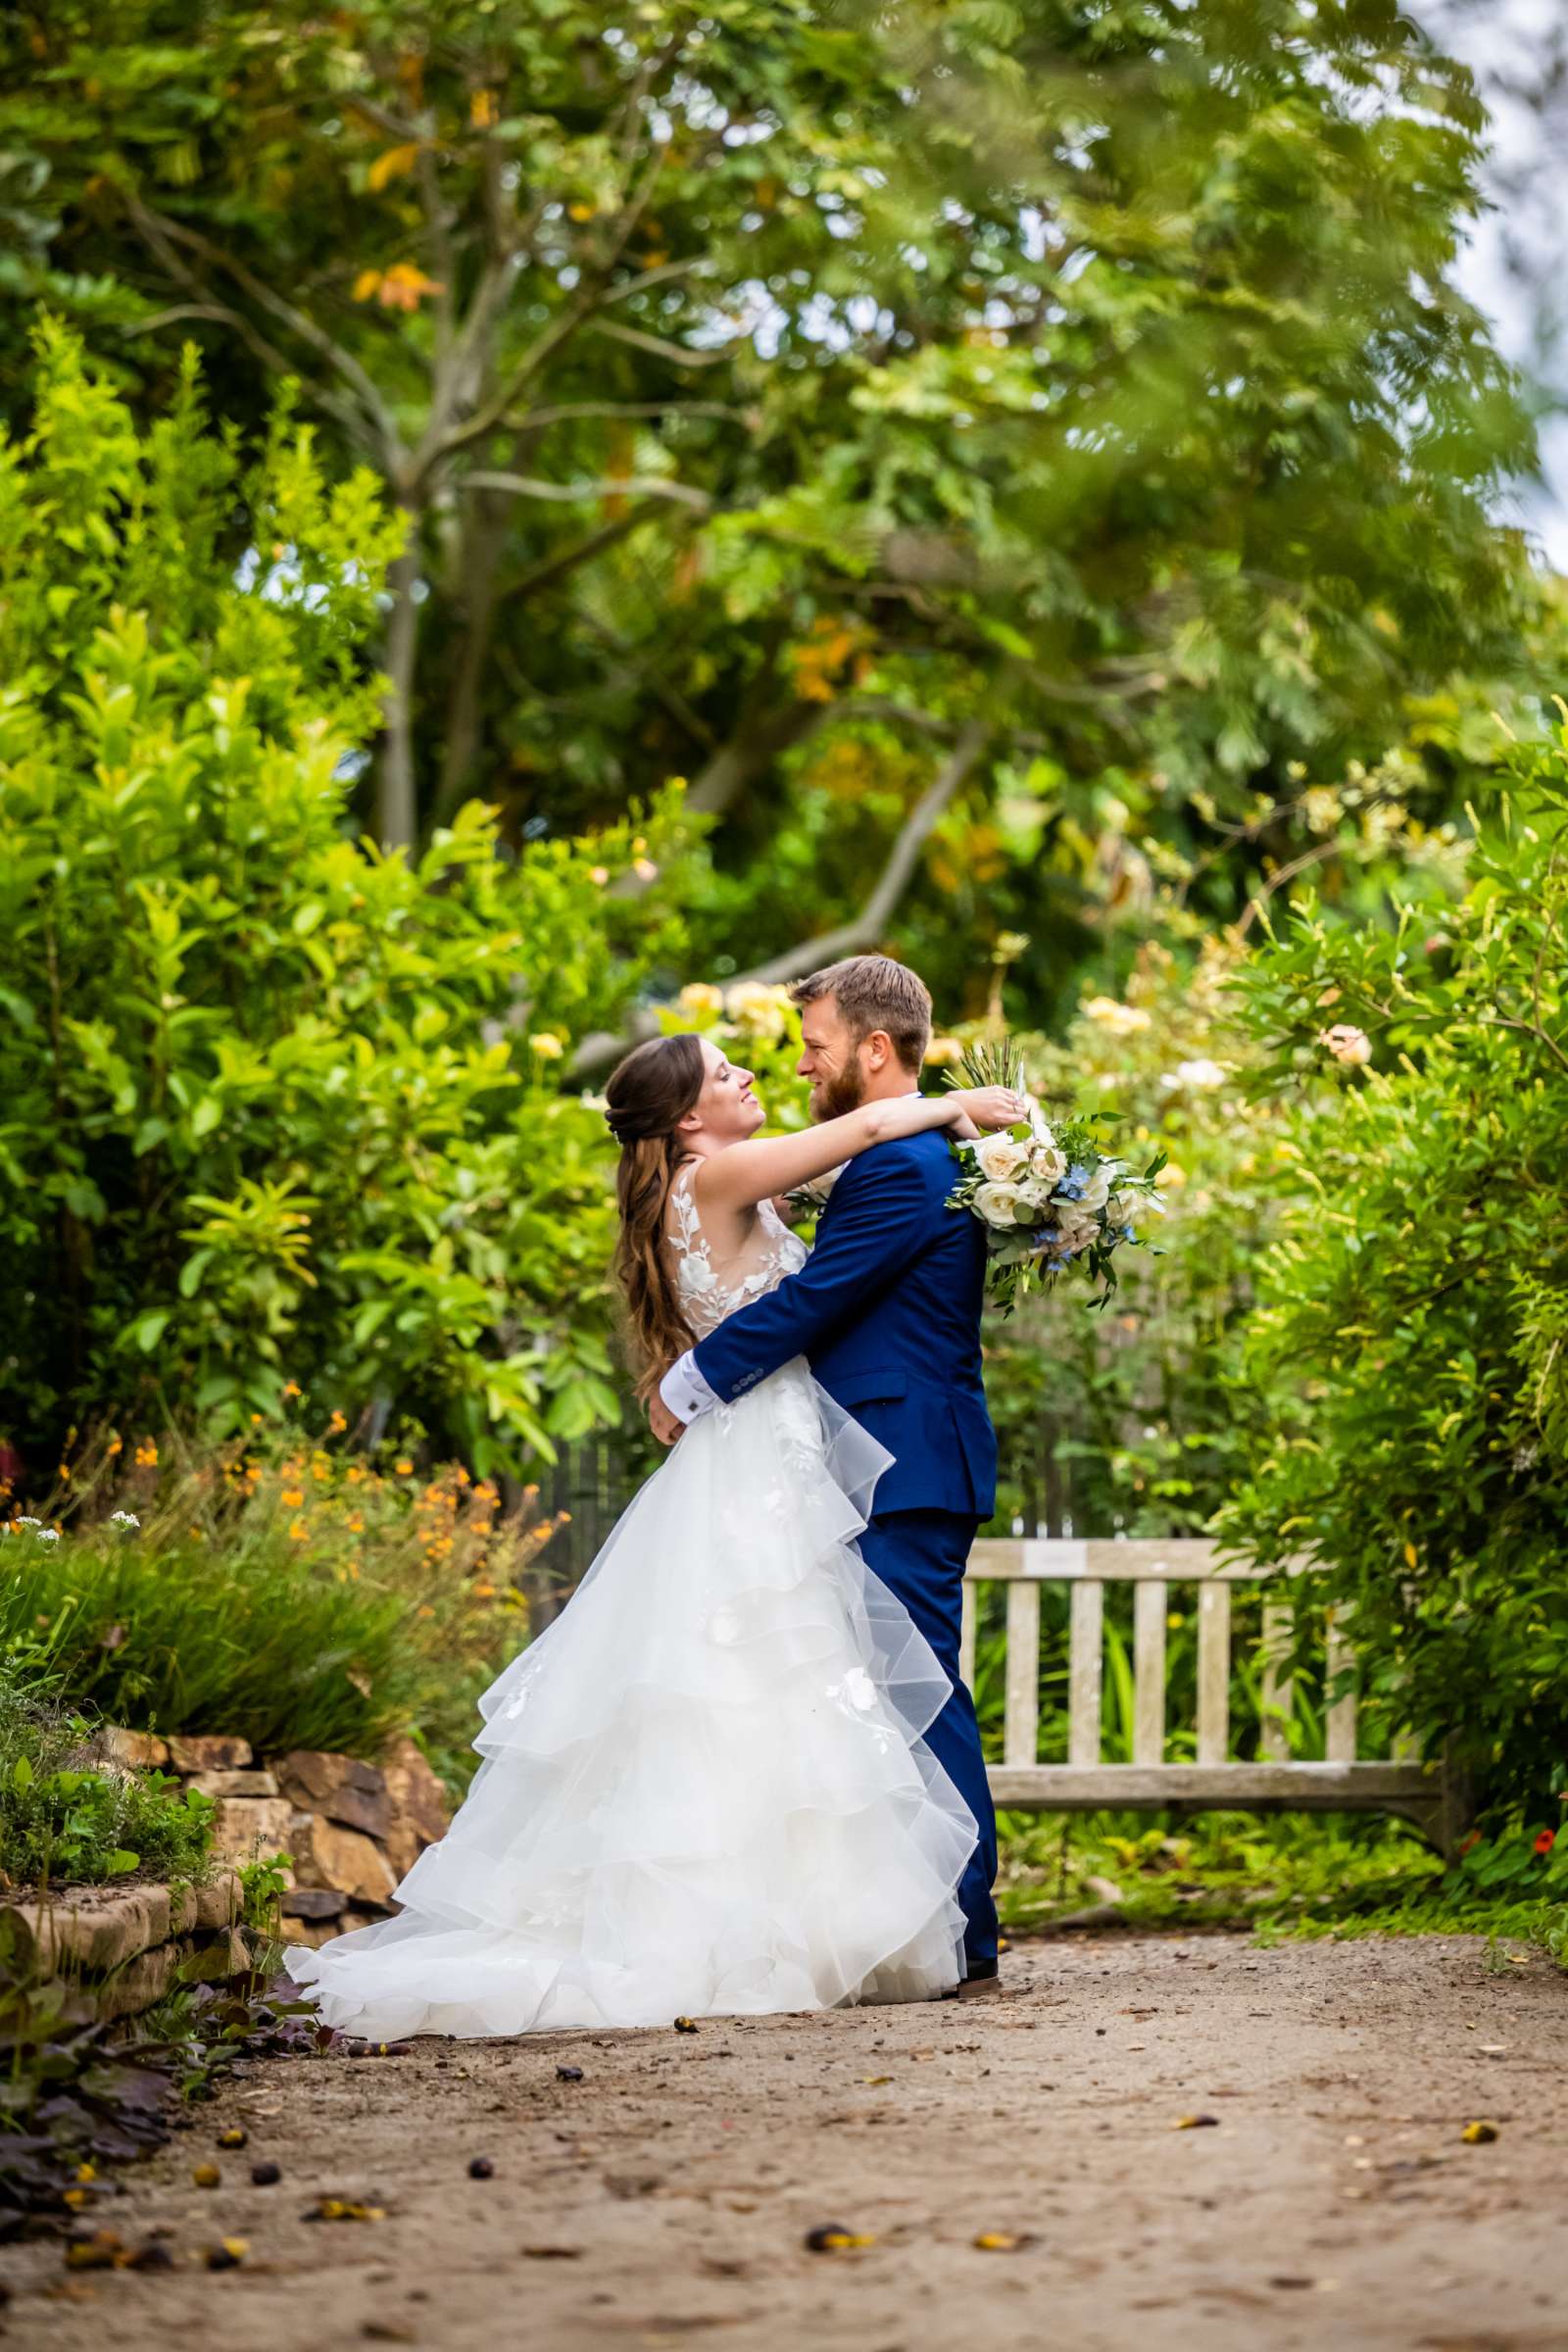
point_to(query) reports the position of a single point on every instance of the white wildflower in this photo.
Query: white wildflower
(1195, 1077)
(1346, 1042)
(1120, 1019)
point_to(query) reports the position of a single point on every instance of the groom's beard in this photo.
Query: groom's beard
(832, 1098)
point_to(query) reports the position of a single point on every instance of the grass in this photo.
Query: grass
(1292, 1874)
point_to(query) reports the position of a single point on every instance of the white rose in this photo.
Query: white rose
(998, 1203)
(1048, 1162)
(1000, 1159)
(1076, 1228)
(1097, 1192)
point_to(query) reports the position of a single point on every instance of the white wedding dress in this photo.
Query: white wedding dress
(705, 1791)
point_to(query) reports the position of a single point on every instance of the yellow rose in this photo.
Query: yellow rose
(547, 1045)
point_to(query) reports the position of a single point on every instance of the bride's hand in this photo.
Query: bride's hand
(991, 1106)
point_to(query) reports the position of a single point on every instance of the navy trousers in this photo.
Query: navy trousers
(920, 1556)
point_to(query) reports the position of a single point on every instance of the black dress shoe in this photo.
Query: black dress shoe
(980, 1976)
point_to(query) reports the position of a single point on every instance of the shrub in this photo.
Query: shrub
(65, 1820)
(285, 1593)
(1412, 1325)
(276, 1105)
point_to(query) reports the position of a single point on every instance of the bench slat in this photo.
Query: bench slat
(1148, 1673)
(1091, 1789)
(1213, 1673)
(1085, 1673)
(1278, 1686)
(1340, 1739)
(1020, 1736)
(1065, 1559)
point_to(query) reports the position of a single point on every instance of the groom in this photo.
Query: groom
(886, 1309)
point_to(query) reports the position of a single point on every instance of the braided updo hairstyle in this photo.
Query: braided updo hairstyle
(647, 1093)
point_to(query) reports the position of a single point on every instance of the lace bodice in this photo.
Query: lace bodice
(713, 1286)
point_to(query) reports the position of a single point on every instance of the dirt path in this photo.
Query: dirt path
(669, 2194)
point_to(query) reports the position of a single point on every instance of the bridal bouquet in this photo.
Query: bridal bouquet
(1049, 1197)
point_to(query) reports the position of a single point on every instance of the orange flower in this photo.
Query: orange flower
(337, 1423)
(403, 1469)
(116, 1445)
(297, 1530)
(355, 1476)
(147, 1455)
(1545, 1841)
(292, 1387)
(356, 1525)
(291, 1498)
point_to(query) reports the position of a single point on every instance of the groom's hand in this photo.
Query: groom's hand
(665, 1425)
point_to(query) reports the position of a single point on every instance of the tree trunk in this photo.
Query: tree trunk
(396, 810)
(478, 574)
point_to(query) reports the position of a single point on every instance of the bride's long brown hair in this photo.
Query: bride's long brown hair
(647, 1093)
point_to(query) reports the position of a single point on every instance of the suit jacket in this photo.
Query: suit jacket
(887, 1310)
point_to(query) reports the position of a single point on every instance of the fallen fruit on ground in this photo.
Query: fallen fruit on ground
(266, 2175)
(227, 2254)
(153, 2256)
(206, 2175)
(1478, 2133)
(831, 2237)
(482, 2167)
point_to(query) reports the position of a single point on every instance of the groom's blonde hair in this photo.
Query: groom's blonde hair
(872, 992)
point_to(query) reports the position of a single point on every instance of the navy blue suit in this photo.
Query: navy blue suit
(887, 1310)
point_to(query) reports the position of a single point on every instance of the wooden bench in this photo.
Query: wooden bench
(1431, 1796)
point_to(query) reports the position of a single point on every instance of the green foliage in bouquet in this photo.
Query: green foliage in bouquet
(1412, 1323)
(276, 1105)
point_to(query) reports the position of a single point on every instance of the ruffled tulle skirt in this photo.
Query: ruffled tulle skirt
(705, 1790)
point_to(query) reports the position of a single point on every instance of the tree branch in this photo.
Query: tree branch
(863, 928)
(676, 353)
(297, 320)
(581, 551)
(599, 1050)
(522, 485)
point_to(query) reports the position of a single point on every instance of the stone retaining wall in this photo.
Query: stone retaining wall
(121, 1948)
(347, 1831)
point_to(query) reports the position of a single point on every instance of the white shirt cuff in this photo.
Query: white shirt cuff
(685, 1391)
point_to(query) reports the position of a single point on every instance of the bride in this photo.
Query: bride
(705, 1790)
